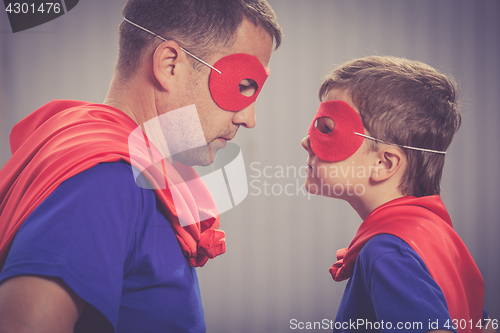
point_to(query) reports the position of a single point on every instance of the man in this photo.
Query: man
(92, 250)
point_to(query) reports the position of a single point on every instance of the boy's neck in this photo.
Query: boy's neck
(365, 204)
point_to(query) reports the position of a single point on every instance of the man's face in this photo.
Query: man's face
(220, 126)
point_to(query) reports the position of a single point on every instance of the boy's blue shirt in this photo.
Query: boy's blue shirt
(391, 286)
(424, 224)
(110, 242)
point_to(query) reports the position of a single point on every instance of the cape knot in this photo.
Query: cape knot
(212, 243)
(338, 270)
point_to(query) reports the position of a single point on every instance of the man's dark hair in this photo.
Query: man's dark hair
(200, 26)
(406, 103)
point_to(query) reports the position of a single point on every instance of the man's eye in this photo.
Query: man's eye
(248, 87)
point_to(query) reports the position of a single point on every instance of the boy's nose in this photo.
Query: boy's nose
(306, 143)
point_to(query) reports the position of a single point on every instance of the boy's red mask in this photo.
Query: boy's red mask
(225, 86)
(341, 142)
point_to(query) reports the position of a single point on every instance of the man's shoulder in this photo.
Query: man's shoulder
(108, 173)
(108, 182)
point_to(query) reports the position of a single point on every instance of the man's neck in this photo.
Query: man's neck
(131, 98)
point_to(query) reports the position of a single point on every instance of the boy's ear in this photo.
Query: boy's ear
(170, 64)
(389, 161)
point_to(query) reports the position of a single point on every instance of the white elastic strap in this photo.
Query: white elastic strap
(163, 39)
(393, 144)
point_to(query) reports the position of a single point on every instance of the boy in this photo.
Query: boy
(378, 141)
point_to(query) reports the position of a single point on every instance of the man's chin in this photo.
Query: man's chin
(201, 156)
(215, 146)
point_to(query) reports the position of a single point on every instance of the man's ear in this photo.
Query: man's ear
(170, 64)
(389, 161)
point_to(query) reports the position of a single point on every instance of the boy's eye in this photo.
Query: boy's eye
(248, 87)
(325, 125)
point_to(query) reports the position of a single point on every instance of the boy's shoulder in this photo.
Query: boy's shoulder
(389, 249)
(391, 283)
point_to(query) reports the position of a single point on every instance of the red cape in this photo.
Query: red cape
(64, 138)
(425, 225)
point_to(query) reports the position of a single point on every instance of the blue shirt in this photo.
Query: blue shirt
(110, 242)
(391, 290)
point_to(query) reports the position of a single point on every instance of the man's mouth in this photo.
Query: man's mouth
(219, 143)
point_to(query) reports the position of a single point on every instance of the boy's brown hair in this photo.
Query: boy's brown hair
(403, 102)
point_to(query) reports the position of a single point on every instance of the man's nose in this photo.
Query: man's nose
(245, 117)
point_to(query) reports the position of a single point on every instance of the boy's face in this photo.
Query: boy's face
(344, 179)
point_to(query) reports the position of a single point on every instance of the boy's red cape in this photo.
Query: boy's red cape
(64, 138)
(426, 226)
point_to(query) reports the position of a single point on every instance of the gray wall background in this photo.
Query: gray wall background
(279, 246)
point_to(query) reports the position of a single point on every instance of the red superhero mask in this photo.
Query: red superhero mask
(227, 76)
(225, 86)
(342, 141)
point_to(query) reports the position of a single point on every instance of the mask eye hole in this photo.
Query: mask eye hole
(248, 87)
(325, 125)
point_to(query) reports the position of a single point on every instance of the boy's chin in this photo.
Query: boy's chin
(316, 189)
(346, 191)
